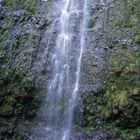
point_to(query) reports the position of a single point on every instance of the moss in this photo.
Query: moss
(117, 97)
(5, 32)
(12, 4)
(27, 40)
(19, 97)
(27, 85)
(124, 20)
(123, 66)
(137, 39)
(6, 108)
(118, 108)
(1, 52)
(135, 91)
(31, 6)
(128, 134)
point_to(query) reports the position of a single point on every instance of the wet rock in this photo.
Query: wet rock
(115, 112)
(1, 3)
(40, 22)
(100, 90)
(25, 99)
(7, 114)
(18, 14)
(1, 100)
(40, 131)
(3, 130)
(127, 42)
(3, 24)
(103, 134)
(30, 113)
(91, 23)
(137, 137)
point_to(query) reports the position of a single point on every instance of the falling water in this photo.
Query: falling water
(66, 61)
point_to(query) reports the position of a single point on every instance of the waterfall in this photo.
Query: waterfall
(66, 62)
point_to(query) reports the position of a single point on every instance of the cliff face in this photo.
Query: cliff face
(112, 104)
(110, 72)
(22, 27)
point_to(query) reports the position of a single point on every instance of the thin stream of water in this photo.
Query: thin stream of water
(63, 88)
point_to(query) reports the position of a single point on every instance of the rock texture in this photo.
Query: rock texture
(22, 28)
(109, 91)
(111, 72)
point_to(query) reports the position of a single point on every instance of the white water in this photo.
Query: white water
(66, 62)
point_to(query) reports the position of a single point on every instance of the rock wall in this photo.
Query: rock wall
(111, 67)
(22, 29)
(109, 92)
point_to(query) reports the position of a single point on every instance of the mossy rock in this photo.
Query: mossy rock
(137, 39)
(31, 6)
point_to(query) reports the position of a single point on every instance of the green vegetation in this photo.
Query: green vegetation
(125, 20)
(12, 4)
(118, 108)
(31, 6)
(19, 96)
